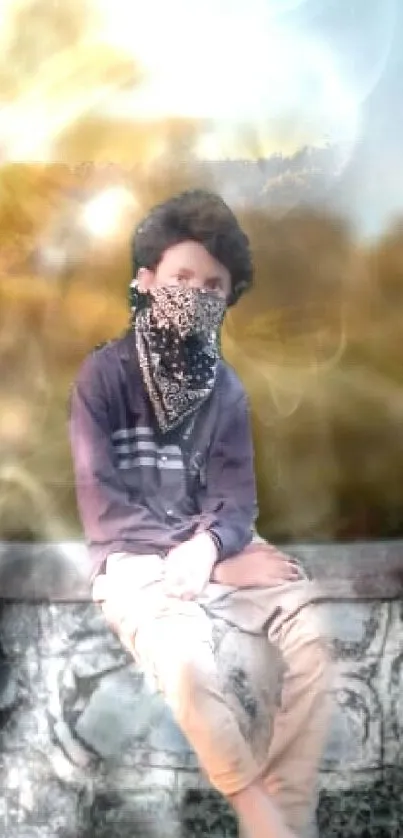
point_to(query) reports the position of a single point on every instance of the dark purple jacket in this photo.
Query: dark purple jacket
(144, 492)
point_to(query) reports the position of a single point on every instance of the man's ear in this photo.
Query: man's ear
(145, 279)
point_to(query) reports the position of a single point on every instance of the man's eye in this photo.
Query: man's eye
(214, 285)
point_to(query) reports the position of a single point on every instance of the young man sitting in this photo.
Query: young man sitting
(164, 468)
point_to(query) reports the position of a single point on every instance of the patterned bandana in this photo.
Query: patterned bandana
(177, 332)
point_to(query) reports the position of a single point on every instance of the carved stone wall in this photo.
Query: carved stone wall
(76, 761)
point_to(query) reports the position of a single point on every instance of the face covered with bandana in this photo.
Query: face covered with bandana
(177, 312)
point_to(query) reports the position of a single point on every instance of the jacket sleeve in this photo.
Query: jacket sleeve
(229, 505)
(108, 516)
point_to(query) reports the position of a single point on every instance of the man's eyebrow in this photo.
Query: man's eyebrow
(189, 272)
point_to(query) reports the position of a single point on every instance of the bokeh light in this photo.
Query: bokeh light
(102, 215)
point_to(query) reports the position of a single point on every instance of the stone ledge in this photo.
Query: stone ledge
(142, 779)
(59, 572)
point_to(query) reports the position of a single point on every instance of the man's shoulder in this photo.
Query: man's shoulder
(107, 352)
(103, 362)
(105, 344)
(113, 347)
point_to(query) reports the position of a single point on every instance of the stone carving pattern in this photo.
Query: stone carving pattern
(75, 762)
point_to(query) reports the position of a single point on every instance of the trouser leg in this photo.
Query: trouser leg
(178, 648)
(301, 724)
(176, 644)
(172, 641)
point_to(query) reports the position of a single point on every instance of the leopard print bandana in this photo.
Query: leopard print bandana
(177, 332)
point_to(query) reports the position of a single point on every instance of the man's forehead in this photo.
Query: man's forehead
(189, 257)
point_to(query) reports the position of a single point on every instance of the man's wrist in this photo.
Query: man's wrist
(217, 544)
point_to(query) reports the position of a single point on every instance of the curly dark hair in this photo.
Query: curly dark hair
(200, 216)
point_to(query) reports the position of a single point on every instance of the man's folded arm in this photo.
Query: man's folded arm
(229, 504)
(108, 515)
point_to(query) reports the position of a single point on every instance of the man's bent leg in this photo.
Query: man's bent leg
(175, 646)
(178, 646)
(301, 725)
(291, 621)
(172, 640)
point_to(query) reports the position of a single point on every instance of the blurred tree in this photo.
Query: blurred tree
(287, 339)
(385, 272)
(30, 197)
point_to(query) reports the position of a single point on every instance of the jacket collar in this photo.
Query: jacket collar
(126, 347)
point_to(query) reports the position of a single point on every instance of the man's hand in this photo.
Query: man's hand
(259, 565)
(189, 567)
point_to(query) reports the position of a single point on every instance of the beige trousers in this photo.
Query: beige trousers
(172, 642)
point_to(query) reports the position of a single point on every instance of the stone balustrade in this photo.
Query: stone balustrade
(88, 750)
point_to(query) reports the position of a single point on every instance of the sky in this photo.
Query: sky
(261, 78)
(290, 73)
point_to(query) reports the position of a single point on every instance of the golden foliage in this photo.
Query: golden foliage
(321, 362)
(148, 142)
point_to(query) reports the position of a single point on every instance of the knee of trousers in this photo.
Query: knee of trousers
(187, 686)
(323, 660)
(316, 664)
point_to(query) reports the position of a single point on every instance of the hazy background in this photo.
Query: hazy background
(293, 111)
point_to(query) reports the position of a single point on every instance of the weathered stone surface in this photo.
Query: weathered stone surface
(8, 686)
(59, 572)
(373, 811)
(85, 668)
(74, 761)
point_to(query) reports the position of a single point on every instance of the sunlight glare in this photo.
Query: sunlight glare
(102, 215)
(233, 74)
